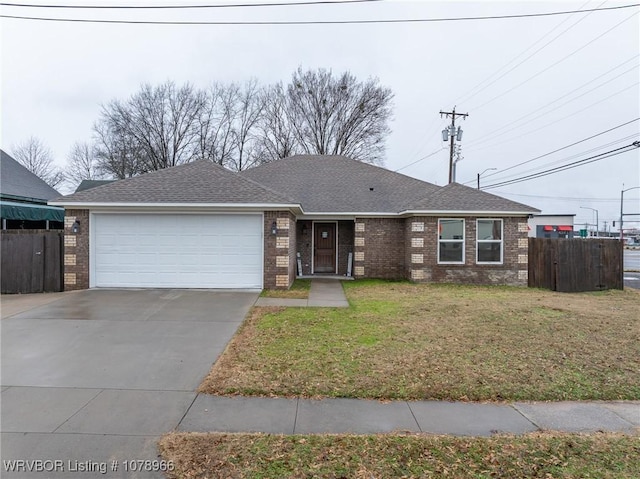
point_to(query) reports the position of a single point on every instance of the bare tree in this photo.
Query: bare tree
(82, 164)
(249, 109)
(276, 138)
(160, 122)
(117, 152)
(242, 125)
(338, 115)
(215, 125)
(228, 125)
(38, 159)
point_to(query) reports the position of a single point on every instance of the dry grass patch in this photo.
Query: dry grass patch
(407, 341)
(560, 456)
(299, 290)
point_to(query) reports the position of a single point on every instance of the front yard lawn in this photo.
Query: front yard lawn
(561, 456)
(405, 341)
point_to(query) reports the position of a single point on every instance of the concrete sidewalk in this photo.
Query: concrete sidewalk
(355, 416)
(324, 293)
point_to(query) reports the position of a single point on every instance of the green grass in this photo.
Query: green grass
(406, 341)
(558, 456)
(299, 290)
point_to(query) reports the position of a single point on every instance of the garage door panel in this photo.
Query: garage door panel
(182, 251)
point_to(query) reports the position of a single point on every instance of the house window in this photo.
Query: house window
(451, 241)
(489, 241)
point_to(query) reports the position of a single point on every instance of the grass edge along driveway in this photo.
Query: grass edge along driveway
(407, 341)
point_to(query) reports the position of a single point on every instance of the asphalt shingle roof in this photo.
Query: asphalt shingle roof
(323, 183)
(320, 184)
(16, 180)
(457, 197)
(197, 182)
(88, 184)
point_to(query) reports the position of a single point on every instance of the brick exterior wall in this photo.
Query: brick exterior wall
(379, 245)
(422, 239)
(76, 251)
(304, 234)
(279, 250)
(345, 245)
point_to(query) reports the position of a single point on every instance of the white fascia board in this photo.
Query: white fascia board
(344, 215)
(179, 206)
(465, 213)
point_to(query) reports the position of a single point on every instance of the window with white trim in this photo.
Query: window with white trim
(489, 241)
(451, 241)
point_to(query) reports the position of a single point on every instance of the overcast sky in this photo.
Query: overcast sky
(530, 85)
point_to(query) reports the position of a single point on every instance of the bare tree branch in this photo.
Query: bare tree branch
(38, 159)
(338, 116)
(82, 164)
(242, 125)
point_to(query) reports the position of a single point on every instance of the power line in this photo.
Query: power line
(421, 159)
(566, 198)
(568, 166)
(425, 142)
(466, 97)
(559, 149)
(561, 97)
(184, 7)
(555, 63)
(513, 138)
(317, 22)
(577, 155)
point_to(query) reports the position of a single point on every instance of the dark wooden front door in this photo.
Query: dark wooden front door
(324, 254)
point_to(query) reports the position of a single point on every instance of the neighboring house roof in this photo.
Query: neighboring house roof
(88, 184)
(199, 182)
(17, 182)
(460, 198)
(324, 183)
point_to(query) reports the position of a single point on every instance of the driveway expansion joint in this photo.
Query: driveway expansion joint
(414, 416)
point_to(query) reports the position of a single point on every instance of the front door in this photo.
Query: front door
(324, 248)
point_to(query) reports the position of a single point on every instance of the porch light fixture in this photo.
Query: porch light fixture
(274, 228)
(75, 228)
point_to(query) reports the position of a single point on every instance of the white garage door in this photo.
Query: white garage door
(177, 251)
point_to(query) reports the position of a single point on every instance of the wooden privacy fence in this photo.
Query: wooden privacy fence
(31, 262)
(572, 265)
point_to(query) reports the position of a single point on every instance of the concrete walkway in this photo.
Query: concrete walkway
(356, 416)
(324, 293)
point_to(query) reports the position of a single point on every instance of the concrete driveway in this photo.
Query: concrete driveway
(93, 378)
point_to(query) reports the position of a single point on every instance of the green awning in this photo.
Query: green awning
(12, 210)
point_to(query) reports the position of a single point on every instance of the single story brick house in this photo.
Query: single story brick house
(199, 225)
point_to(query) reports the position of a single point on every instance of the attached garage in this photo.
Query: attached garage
(176, 250)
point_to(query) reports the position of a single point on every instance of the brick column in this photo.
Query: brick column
(359, 249)
(76, 250)
(415, 250)
(279, 250)
(523, 253)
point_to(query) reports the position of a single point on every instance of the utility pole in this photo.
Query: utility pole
(459, 157)
(451, 133)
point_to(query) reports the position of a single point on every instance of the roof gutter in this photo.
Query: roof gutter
(178, 206)
(466, 213)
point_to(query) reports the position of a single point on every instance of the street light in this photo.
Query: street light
(621, 204)
(597, 222)
(480, 174)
